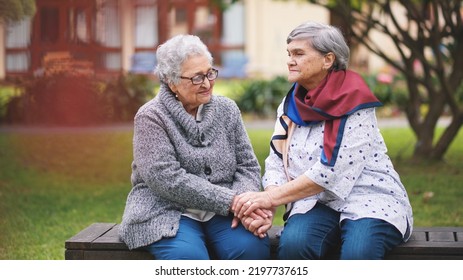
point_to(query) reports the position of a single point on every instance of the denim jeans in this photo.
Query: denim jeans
(212, 239)
(318, 234)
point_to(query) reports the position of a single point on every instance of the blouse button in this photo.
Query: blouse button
(207, 170)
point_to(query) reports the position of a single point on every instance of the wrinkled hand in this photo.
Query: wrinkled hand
(249, 202)
(257, 224)
(258, 221)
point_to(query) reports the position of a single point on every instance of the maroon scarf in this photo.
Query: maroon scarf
(340, 94)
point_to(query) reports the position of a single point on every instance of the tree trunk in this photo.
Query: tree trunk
(447, 137)
(425, 149)
(423, 145)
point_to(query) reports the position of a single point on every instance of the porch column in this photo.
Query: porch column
(2, 52)
(127, 36)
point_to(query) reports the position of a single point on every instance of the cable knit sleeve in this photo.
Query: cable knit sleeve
(247, 174)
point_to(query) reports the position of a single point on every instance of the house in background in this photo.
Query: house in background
(110, 37)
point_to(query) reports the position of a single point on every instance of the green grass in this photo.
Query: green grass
(52, 185)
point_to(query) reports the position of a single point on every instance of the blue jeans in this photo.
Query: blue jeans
(214, 239)
(318, 234)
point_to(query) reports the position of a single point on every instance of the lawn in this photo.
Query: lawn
(54, 184)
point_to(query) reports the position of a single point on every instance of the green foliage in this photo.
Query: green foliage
(393, 93)
(230, 88)
(14, 10)
(6, 94)
(224, 4)
(459, 92)
(72, 100)
(123, 96)
(381, 90)
(262, 97)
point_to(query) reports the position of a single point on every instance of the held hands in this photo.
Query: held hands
(255, 212)
(246, 203)
(258, 225)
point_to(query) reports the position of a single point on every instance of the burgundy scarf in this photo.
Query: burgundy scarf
(340, 94)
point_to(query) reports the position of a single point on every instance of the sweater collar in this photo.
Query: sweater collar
(196, 133)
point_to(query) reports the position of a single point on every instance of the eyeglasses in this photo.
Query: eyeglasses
(199, 79)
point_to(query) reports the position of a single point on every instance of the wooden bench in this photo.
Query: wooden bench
(100, 241)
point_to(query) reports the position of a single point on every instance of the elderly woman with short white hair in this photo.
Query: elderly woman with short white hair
(192, 156)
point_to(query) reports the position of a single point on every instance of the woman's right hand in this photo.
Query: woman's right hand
(246, 203)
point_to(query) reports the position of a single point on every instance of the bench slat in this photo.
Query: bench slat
(418, 236)
(118, 255)
(85, 238)
(74, 254)
(110, 240)
(442, 236)
(101, 241)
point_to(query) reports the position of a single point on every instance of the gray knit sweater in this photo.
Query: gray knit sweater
(179, 164)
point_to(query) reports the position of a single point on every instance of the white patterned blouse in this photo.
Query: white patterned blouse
(362, 183)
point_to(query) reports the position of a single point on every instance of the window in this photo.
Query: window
(108, 34)
(178, 21)
(17, 41)
(146, 24)
(78, 29)
(204, 24)
(233, 58)
(107, 23)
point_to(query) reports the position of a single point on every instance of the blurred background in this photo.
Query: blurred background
(73, 73)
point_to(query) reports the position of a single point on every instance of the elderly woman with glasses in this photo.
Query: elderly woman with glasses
(192, 156)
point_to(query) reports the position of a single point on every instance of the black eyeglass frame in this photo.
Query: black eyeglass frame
(212, 71)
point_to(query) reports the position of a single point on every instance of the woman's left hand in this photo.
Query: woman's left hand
(259, 226)
(246, 203)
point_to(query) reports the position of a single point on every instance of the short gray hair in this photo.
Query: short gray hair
(324, 38)
(172, 54)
